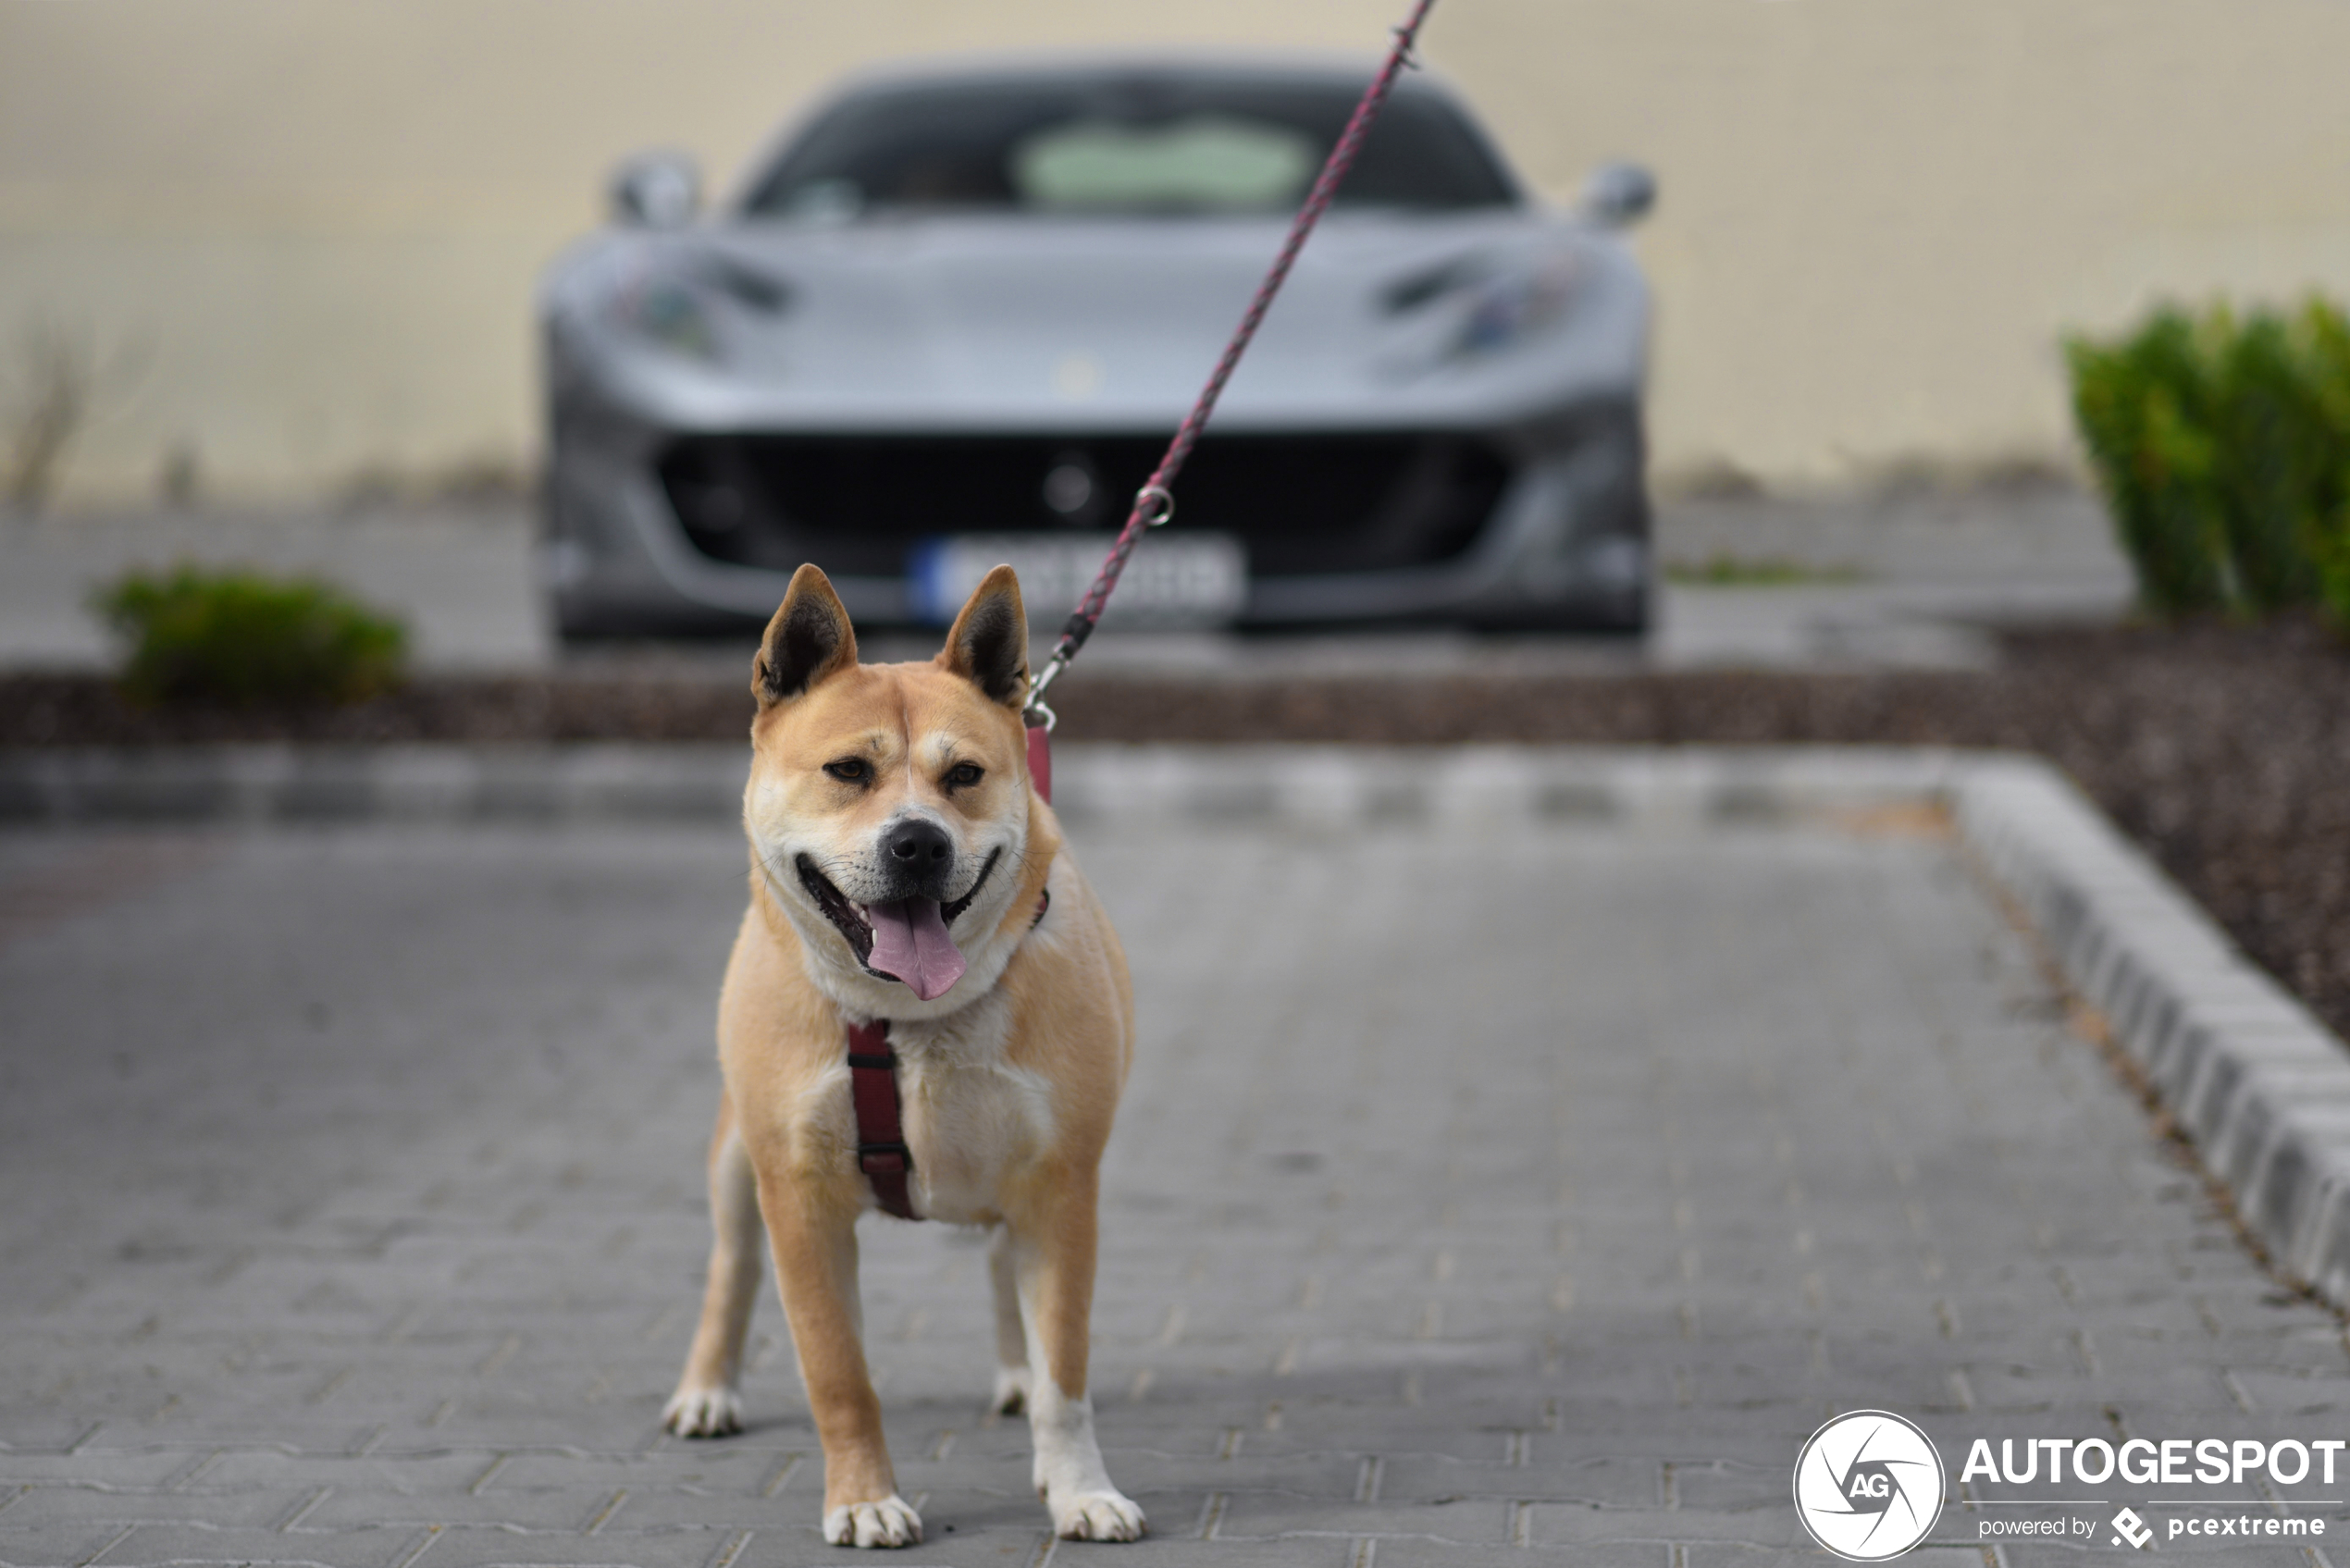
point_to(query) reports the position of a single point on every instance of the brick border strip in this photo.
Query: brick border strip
(2261, 1086)
(319, 784)
(1307, 784)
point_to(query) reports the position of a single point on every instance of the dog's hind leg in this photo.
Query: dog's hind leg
(1012, 1335)
(1052, 1260)
(708, 1402)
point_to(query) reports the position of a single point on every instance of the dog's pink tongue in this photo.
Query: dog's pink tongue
(911, 943)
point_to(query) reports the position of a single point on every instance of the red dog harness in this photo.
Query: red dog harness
(882, 1153)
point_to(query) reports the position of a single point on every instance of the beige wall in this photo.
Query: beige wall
(299, 235)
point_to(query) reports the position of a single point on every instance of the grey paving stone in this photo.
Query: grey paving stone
(476, 1547)
(556, 1512)
(55, 1504)
(50, 1546)
(1560, 1524)
(1404, 1551)
(1259, 1515)
(157, 1546)
(231, 1469)
(1480, 1195)
(95, 1469)
(1309, 1475)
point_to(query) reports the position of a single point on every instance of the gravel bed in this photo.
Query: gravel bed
(2225, 750)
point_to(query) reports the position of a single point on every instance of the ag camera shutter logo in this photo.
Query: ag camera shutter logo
(1868, 1485)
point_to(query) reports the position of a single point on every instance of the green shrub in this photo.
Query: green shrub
(247, 638)
(2276, 458)
(2139, 403)
(2222, 444)
(2326, 335)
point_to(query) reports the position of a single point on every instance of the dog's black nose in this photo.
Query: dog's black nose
(917, 844)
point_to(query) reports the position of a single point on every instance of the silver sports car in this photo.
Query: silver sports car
(954, 317)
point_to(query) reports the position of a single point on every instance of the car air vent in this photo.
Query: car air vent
(1304, 504)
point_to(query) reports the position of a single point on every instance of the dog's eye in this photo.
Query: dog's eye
(962, 776)
(850, 770)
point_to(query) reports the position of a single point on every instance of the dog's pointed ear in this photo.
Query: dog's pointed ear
(809, 639)
(988, 646)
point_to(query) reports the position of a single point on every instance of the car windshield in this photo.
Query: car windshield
(1142, 142)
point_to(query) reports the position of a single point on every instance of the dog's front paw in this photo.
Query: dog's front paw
(890, 1522)
(1011, 1391)
(703, 1412)
(1095, 1516)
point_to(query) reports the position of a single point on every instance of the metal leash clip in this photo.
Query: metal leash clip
(1166, 509)
(1033, 713)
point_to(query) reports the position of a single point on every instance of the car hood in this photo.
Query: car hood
(1024, 323)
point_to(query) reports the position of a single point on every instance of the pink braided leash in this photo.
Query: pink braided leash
(1155, 502)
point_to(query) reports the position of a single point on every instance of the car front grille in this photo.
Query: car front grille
(1304, 504)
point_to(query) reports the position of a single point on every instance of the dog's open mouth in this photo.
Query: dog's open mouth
(904, 940)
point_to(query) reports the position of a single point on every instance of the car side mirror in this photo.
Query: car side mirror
(655, 190)
(1619, 194)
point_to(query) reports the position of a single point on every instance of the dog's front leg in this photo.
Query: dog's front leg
(1052, 1251)
(815, 1246)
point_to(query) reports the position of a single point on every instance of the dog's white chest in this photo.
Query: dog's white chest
(972, 1120)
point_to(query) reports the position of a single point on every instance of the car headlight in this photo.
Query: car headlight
(1474, 308)
(667, 313)
(692, 305)
(1501, 312)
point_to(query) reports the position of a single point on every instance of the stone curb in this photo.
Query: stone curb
(2261, 1086)
(2247, 1071)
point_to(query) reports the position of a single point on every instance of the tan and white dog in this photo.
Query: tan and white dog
(899, 858)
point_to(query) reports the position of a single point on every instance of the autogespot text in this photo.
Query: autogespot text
(2174, 1461)
(2184, 1463)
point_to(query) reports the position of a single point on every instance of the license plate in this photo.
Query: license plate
(1170, 580)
